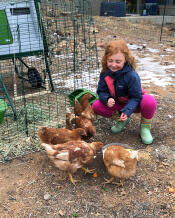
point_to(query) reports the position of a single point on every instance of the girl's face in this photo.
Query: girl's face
(116, 62)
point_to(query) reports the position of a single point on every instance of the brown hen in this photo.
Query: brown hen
(72, 155)
(84, 116)
(59, 135)
(87, 111)
(120, 162)
(80, 122)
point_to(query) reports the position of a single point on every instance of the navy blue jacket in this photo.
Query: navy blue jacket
(126, 83)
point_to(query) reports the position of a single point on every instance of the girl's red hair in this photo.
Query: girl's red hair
(113, 48)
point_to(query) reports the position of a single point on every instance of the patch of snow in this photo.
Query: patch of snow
(149, 70)
(170, 116)
(169, 50)
(134, 47)
(88, 80)
(34, 58)
(153, 50)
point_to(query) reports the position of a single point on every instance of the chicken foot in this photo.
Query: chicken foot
(121, 183)
(71, 178)
(109, 180)
(87, 170)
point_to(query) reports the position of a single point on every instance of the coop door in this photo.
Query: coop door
(5, 32)
(26, 28)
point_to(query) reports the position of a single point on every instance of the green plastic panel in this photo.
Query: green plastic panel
(5, 32)
(3, 108)
(78, 93)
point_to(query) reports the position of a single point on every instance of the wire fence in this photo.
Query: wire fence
(52, 56)
(35, 82)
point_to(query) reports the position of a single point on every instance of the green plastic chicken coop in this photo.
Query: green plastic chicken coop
(3, 108)
(22, 33)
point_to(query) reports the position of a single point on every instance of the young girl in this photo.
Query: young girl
(120, 93)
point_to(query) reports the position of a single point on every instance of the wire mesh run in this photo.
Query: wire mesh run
(35, 81)
(72, 45)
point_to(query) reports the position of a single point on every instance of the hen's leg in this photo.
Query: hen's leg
(109, 180)
(121, 183)
(71, 178)
(87, 170)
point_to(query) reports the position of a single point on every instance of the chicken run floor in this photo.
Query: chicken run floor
(31, 186)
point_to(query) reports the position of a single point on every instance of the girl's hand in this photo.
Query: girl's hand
(123, 117)
(111, 102)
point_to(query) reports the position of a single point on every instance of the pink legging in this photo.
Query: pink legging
(147, 107)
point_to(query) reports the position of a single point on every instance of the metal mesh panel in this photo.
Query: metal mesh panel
(35, 82)
(72, 45)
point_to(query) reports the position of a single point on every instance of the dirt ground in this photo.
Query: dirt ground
(32, 186)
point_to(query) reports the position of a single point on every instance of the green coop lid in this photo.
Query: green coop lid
(78, 93)
(3, 108)
(5, 32)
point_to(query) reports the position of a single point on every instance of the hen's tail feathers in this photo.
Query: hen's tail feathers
(48, 148)
(91, 131)
(70, 120)
(80, 131)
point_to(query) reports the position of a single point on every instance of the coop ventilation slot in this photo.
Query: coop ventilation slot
(19, 11)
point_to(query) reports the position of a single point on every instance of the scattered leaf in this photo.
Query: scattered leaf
(75, 214)
(61, 212)
(171, 190)
(144, 155)
(105, 189)
(95, 175)
(47, 196)
(165, 164)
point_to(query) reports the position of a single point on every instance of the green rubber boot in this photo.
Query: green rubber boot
(119, 126)
(145, 132)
